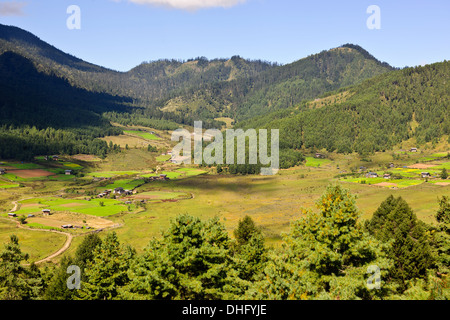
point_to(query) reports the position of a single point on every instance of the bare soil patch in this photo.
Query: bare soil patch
(33, 173)
(443, 183)
(76, 219)
(385, 184)
(421, 166)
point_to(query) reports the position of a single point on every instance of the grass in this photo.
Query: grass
(142, 134)
(93, 207)
(110, 174)
(127, 184)
(7, 184)
(315, 162)
(36, 225)
(37, 244)
(163, 158)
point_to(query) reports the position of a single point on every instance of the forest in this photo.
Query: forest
(375, 115)
(328, 254)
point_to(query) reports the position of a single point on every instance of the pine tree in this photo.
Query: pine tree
(107, 271)
(192, 261)
(57, 287)
(249, 249)
(16, 281)
(327, 254)
(396, 223)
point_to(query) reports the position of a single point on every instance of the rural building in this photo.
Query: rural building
(11, 214)
(30, 215)
(387, 176)
(67, 226)
(68, 172)
(413, 150)
(425, 174)
(55, 158)
(372, 175)
(119, 190)
(127, 202)
(391, 165)
(46, 212)
(2, 171)
(319, 156)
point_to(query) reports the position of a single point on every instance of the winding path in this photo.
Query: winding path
(66, 244)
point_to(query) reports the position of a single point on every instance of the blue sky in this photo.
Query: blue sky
(120, 34)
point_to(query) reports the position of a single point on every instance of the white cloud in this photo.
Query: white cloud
(190, 4)
(12, 9)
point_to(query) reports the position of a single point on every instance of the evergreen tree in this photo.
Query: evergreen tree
(192, 261)
(107, 271)
(249, 249)
(16, 281)
(57, 287)
(327, 255)
(85, 252)
(395, 222)
(441, 243)
(444, 174)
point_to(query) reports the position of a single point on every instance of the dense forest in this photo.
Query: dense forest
(373, 116)
(43, 114)
(328, 254)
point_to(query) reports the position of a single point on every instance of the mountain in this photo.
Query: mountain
(202, 88)
(282, 86)
(372, 116)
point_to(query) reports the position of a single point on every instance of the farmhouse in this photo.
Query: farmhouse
(55, 158)
(425, 174)
(372, 175)
(68, 172)
(119, 190)
(319, 156)
(2, 171)
(387, 176)
(413, 150)
(30, 215)
(163, 177)
(391, 165)
(67, 226)
(46, 212)
(11, 214)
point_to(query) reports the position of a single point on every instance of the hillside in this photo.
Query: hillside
(200, 88)
(284, 86)
(44, 114)
(372, 116)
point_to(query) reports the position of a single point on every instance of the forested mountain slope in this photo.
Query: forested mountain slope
(374, 115)
(284, 86)
(202, 88)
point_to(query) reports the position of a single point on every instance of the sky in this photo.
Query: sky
(121, 34)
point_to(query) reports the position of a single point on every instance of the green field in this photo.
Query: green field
(127, 184)
(37, 244)
(163, 158)
(315, 162)
(93, 207)
(110, 174)
(7, 184)
(142, 134)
